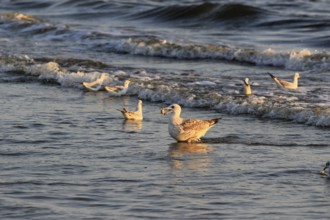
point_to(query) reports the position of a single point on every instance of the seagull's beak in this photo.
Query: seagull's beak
(165, 110)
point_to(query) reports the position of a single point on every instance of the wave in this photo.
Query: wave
(148, 45)
(25, 24)
(151, 46)
(49, 72)
(261, 106)
(15, 16)
(157, 88)
(202, 13)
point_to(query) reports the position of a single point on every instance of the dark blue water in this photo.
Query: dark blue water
(67, 154)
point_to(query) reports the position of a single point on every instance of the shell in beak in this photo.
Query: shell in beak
(165, 110)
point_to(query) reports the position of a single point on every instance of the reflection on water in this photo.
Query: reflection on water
(326, 185)
(98, 94)
(125, 100)
(194, 156)
(132, 125)
(98, 100)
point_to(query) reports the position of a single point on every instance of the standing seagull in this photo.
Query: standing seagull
(324, 172)
(118, 90)
(286, 84)
(247, 87)
(137, 115)
(95, 85)
(186, 130)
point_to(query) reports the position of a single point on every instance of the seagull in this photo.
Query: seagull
(95, 85)
(137, 115)
(118, 90)
(247, 87)
(286, 84)
(186, 130)
(324, 172)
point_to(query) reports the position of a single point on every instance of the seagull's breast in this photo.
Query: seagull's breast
(174, 128)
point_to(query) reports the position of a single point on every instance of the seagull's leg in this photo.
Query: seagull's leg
(191, 140)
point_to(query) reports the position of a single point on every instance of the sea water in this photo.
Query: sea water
(67, 153)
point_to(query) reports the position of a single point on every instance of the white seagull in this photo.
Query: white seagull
(95, 85)
(186, 130)
(137, 115)
(247, 87)
(324, 172)
(286, 84)
(118, 90)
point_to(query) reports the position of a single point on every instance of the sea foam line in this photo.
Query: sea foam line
(277, 107)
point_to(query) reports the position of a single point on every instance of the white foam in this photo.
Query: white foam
(125, 41)
(275, 107)
(283, 108)
(203, 83)
(288, 107)
(52, 71)
(298, 60)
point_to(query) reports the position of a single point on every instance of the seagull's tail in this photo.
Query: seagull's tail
(214, 121)
(124, 110)
(271, 75)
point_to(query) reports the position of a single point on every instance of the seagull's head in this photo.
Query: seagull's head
(297, 75)
(126, 83)
(172, 108)
(324, 171)
(104, 76)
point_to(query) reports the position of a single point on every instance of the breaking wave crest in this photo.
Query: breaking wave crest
(293, 60)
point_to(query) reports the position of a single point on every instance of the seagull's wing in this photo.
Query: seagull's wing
(195, 124)
(114, 88)
(131, 114)
(92, 86)
(124, 110)
(284, 83)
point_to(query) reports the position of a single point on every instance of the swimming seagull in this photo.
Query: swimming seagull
(286, 84)
(247, 87)
(137, 115)
(95, 85)
(324, 172)
(186, 130)
(118, 90)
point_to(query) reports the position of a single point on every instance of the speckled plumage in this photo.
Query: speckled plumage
(186, 130)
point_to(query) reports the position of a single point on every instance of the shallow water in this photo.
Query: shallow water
(71, 155)
(68, 154)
